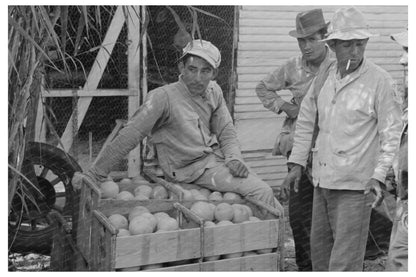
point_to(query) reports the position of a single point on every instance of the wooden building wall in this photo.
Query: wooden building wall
(264, 44)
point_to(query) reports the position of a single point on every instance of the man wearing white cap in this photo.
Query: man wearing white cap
(398, 255)
(296, 75)
(359, 128)
(191, 129)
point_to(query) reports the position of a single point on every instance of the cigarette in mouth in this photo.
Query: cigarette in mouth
(348, 64)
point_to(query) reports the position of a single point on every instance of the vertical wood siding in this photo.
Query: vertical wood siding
(264, 44)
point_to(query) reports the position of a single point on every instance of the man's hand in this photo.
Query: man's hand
(237, 168)
(293, 177)
(290, 109)
(378, 189)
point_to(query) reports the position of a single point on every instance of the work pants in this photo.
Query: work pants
(219, 178)
(300, 218)
(340, 223)
(397, 259)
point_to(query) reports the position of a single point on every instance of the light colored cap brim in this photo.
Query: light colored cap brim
(401, 38)
(203, 55)
(350, 35)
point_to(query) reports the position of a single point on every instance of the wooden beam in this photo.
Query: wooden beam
(89, 93)
(95, 75)
(133, 60)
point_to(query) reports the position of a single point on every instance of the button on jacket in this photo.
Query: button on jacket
(359, 128)
(189, 132)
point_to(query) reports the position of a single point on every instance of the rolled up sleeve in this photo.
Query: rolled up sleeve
(266, 90)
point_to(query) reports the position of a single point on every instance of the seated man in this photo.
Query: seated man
(192, 131)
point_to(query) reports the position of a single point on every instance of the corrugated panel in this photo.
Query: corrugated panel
(264, 44)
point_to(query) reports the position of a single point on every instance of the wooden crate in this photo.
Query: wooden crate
(181, 250)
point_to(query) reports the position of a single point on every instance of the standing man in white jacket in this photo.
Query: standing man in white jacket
(359, 128)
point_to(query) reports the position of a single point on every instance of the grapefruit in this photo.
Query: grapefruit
(167, 224)
(143, 190)
(137, 211)
(231, 196)
(224, 211)
(123, 233)
(224, 223)
(126, 182)
(208, 224)
(141, 197)
(151, 218)
(205, 192)
(187, 195)
(118, 221)
(250, 212)
(124, 195)
(215, 196)
(141, 225)
(159, 192)
(204, 210)
(240, 213)
(160, 215)
(109, 189)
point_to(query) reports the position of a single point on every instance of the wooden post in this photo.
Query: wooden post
(133, 59)
(95, 74)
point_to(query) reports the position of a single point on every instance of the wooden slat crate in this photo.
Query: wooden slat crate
(181, 250)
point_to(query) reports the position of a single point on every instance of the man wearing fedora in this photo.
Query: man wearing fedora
(296, 75)
(359, 128)
(398, 255)
(192, 131)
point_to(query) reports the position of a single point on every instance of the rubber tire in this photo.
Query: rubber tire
(62, 165)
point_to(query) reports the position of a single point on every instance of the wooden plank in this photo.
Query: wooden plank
(157, 247)
(272, 46)
(95, 75)
(264, 262)
(241, 237)
(238, 116)
(88, 93)
(328, 12)
(250, 92)
(133, 72)
(278, 30)
(299, 8)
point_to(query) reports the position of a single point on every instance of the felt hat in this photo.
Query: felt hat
(348, 24)
(308, 23)
(205, 50)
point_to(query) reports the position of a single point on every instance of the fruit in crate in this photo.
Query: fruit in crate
(253, 218)
(145, 190)
(141, 225)
(152, 219)
(187, 195)
(123, 233)
(204, 210)
(167, 224)
(125, 182)
(205, 192)
(141, 197)
(198, 195)
(224, 223)
(231, 196)
(137, 211)
(160, 215)
(250, 212)
(125, 195)
(215, 196)
(208, 224)
(118, 221)
(109, 189)
(224, 211)
(240, 213)
(159, 192)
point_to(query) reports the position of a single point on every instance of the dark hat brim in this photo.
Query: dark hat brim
(312, 31)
